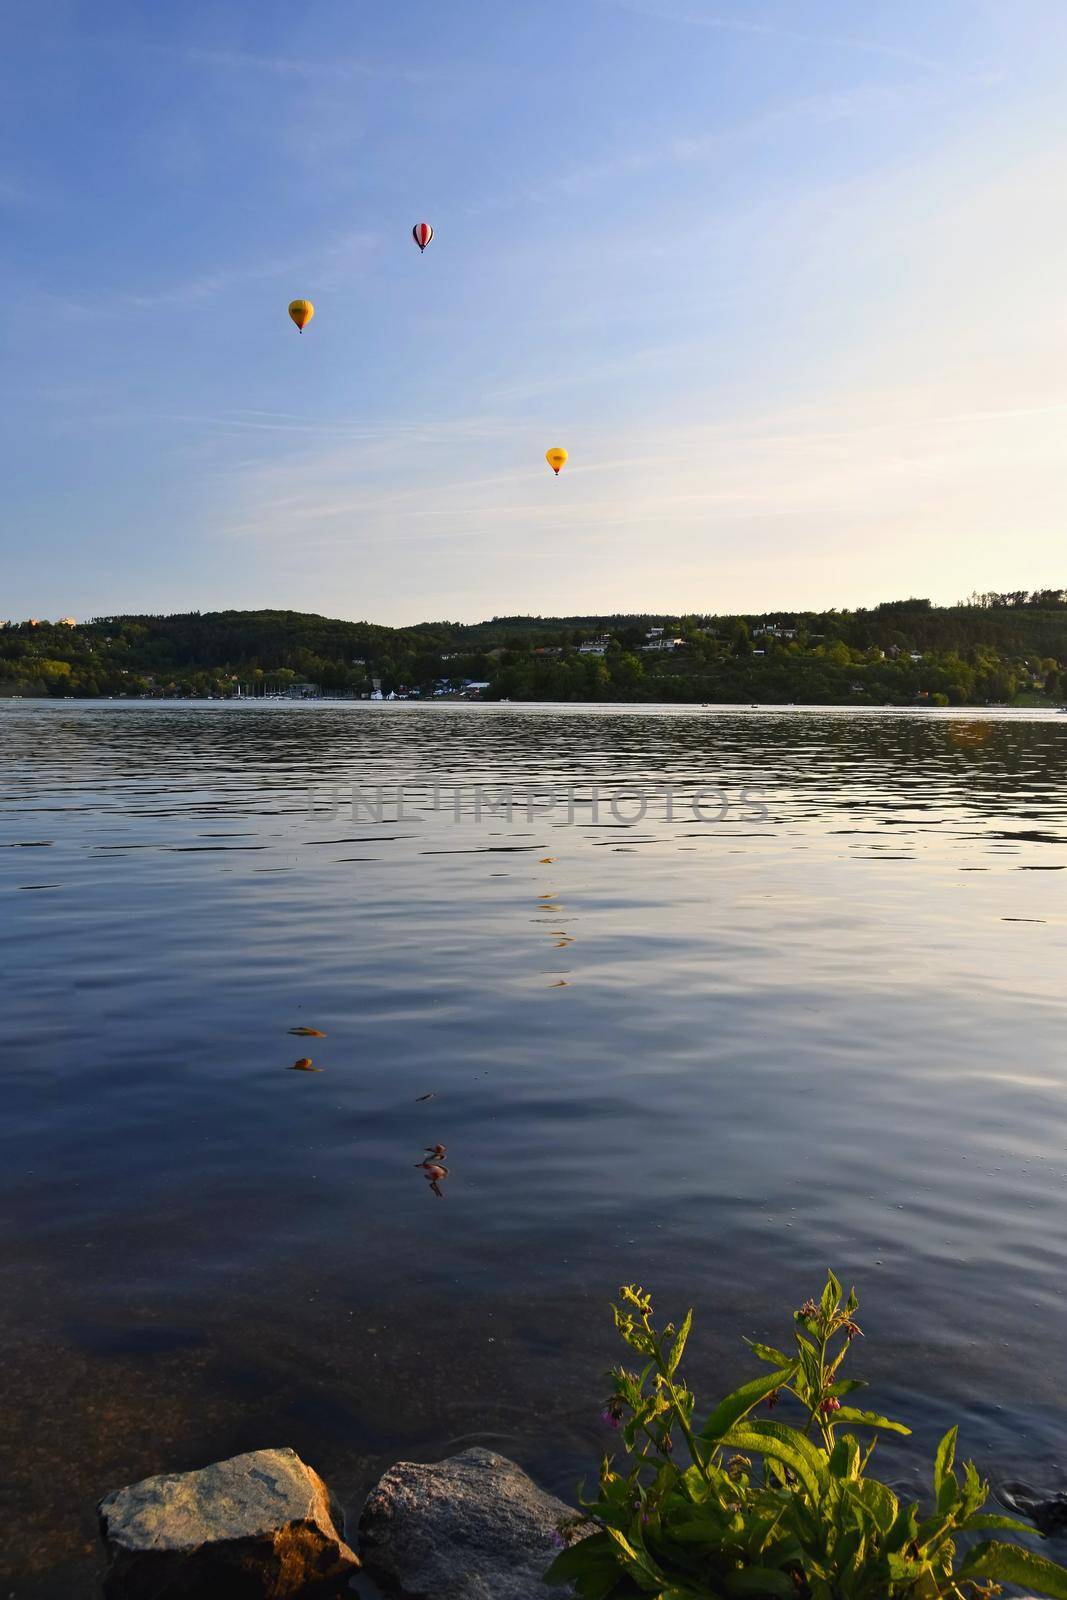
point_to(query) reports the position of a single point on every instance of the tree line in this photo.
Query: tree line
(1002, 649)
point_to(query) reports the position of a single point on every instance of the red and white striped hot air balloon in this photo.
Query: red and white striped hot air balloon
(422, 233)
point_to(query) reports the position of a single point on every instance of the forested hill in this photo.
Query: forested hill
(1002, 648)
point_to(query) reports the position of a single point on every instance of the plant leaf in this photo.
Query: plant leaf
(786, 1445)
(759, 1580)
(639, 1565)
(904, 1568)
(868, 1419)
(880, 1501)
(831, 1295)
(905, 1527)
(983, 1520)
(844, 1458)
(767, 1352)
(975, 1492)
(679, 1344)
(1010, 1563)
(738, 1404)
(946, 1455)
(592, 1562)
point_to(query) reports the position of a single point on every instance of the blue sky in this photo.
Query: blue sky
(789, 281)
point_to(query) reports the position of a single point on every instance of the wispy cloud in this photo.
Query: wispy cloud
(322, 266)
(334, 70)
(873, 472)
(223, 422)
(718, 23)
(684, 148)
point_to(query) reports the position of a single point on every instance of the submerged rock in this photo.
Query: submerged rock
(257, 1527)
(474, 1527)
(1049, 1516)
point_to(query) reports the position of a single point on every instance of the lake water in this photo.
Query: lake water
(712, 1051)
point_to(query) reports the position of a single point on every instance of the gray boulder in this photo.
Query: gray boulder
(474, 1527)
(257, 1527)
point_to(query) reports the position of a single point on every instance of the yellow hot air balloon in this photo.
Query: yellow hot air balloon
(301, 312)
(556, 458)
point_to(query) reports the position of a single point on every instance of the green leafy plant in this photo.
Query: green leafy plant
(754, 1506)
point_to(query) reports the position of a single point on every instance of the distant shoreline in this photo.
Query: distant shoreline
(451, 702)
(996, 650)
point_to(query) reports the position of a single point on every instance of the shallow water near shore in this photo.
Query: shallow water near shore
(714, 1049)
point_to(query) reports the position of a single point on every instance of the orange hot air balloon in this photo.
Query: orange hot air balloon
(301, 312)
(556, 458)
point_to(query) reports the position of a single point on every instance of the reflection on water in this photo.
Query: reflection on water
(714, 1056)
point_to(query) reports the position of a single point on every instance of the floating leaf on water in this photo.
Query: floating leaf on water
(307, 1033)
(561, 983)
(304, 1065)
(419, 1097)
(548, 861)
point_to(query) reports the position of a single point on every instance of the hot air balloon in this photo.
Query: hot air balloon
(556, 458)
(301, 312)
(422, 233)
